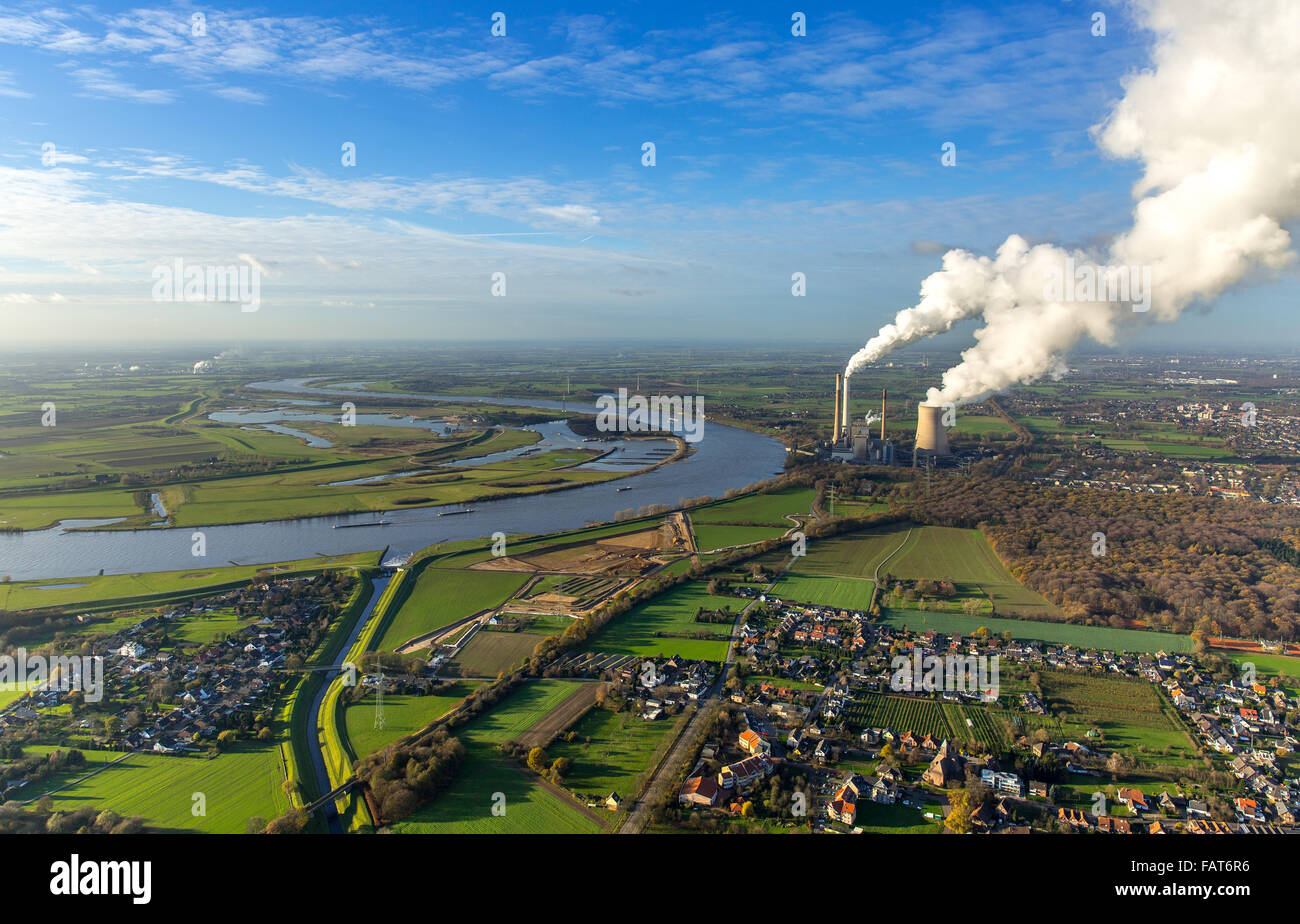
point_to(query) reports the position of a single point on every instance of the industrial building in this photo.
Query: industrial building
(851, 440)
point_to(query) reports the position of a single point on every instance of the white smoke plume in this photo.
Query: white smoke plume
(1216, 125)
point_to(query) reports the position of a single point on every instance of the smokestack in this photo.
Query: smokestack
(884, 394)
(835, 421)
(844, 411)
(930, 435)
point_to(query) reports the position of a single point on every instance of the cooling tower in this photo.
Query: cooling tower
(930, 435)
(835, 421)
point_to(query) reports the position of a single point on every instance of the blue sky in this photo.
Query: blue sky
(522, 155)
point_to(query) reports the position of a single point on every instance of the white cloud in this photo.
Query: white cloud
(240, 95)
(103, 83)
(569, 214)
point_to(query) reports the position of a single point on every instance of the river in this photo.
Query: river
(725, 458)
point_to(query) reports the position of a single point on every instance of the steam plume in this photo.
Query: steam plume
(1216, 125)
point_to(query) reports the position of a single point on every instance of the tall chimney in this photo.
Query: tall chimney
(930, 435)
(884, 393)
(835, 421)
(844, 411)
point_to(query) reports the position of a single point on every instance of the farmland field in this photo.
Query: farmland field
(562, 716)
(923, 552)
(489, 653)
(403, 714)
(238, 785)
(611, 751)
(849, 593)
(441, 597)
(1129, 712)
(904, 714)
(530, 808)
(633, 633)
(709, 537)
(758, 509)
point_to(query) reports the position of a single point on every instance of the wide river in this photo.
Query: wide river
(725, 458)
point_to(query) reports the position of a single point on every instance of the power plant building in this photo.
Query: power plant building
(850, 446)
(854, 443)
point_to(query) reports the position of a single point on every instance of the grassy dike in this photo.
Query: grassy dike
(331, 724)
(294, 711)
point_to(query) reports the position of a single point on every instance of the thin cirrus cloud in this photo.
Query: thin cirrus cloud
(103, 83)
(523, 199)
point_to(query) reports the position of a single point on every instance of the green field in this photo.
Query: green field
(11, 691)
(758, 509)
(487, 654)
(923, 552)
(237, 785)
(441, 597)
(205, 628)
(848, 593)
(708, 537)
(403, 714)
(466, 808)
(1129, 712)
(874, 818)
(1269, 665)
(621, 748)
(672, 612)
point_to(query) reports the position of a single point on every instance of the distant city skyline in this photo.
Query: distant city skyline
(135, 137)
